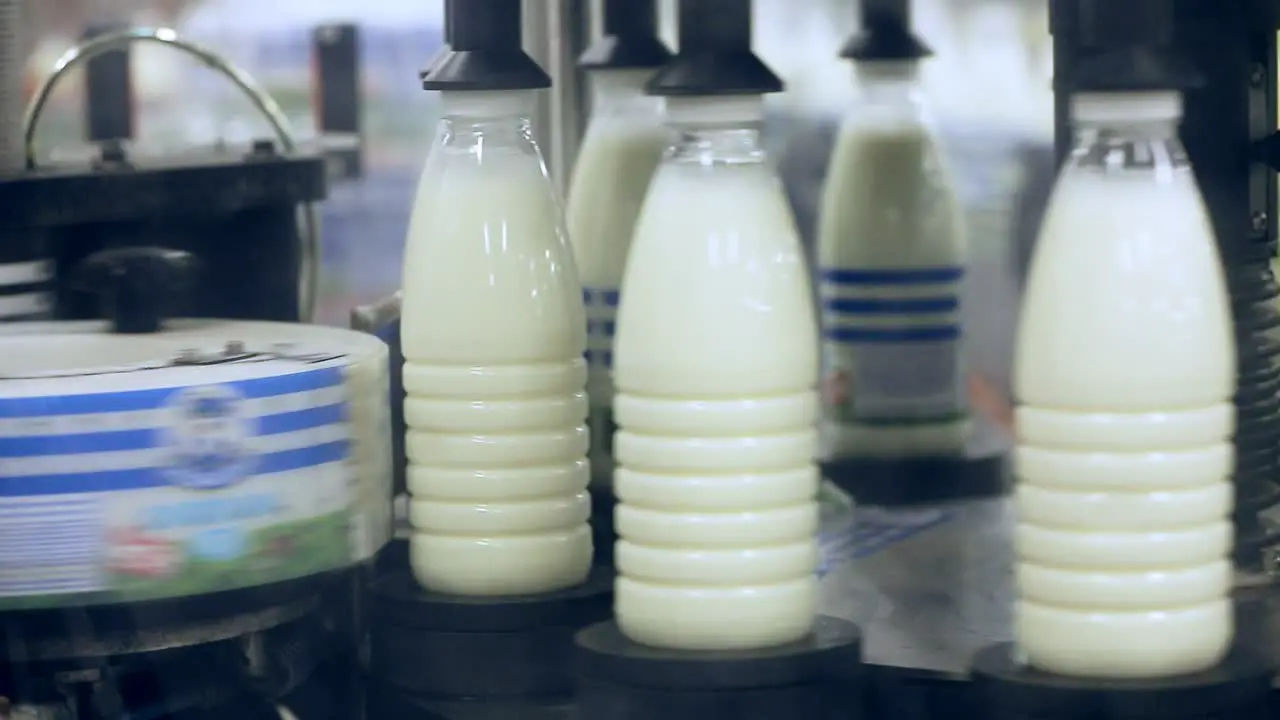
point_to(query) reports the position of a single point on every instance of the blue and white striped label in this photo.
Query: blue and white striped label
(171, 491)
(601, 306)
(891, 344)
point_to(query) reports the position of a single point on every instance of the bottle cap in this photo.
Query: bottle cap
(629, 39)
(715, 55)
(1127, 47)
(886, 34)
(486, 50)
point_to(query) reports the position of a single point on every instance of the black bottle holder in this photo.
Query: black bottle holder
(459, 657)
(817, 678)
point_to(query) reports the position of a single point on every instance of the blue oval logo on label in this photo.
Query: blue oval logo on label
(207, 438)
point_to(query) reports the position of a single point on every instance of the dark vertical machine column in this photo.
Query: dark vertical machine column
(335, 52)
(1227, 121)
(108, 91)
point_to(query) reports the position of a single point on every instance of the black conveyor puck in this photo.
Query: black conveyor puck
(908, 481)
(815, 678)
(1236, 689)
(448, 646)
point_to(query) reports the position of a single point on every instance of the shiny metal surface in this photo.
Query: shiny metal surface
(12, 58)
(309, 237)
(556, 32)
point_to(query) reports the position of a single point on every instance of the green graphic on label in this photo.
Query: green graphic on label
(164, 493)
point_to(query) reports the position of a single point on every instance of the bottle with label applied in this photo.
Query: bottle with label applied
(493, 332)
(620, 151)
(715, 365)
(1124, 372)
(891, 256)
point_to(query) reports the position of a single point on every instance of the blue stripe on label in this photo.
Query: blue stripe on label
(138, 478)
(891, 306)
(138, 400)
(914, 276)
(892, 335)
(605, 296)
(599, 357)
(147, 438)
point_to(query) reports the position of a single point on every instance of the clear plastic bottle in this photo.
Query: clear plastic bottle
(493, 332)
(716, 363)
(1125, 370)
(891, 257)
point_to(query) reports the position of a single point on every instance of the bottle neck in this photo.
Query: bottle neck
(714, 130)
(888, 93)
(895, 82)
(488, 118)
(1146, 115)
(619, 92)
(1128, 131)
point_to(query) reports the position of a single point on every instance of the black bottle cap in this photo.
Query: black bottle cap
(715, 55)
(486, 51)
(1128, 47)
(886, 34)
(629, 39)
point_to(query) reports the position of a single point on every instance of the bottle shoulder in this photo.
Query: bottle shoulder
(1126, 307)
(889, 201)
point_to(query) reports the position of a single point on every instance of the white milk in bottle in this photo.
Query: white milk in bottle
(715, 365)
(1125, 370)
(620, 151)
(493, 337)
(891, 256)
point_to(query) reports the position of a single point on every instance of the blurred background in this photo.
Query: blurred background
(989, 86)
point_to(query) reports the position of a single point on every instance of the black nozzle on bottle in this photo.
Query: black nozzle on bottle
(886, 34)
(715, 55)
(1127, 47)
(486, 50)
(629, 38)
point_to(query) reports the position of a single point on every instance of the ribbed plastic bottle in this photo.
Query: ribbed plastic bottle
(493, 335)
(715, 365)
(1125, 368)
(620, 152)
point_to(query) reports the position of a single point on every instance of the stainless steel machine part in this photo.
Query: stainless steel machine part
(13, 53)
(556, 32)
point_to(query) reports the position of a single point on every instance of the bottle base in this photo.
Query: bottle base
(1237, 688)
(501, 566)
(715, 618)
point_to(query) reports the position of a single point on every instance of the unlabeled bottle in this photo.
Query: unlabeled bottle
(493, 335)
(620, 151)
(891, 256)
(1125, 369)
(715, 364)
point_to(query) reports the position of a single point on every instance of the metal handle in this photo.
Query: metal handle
(309, 234)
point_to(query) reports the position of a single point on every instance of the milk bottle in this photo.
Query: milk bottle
(620, 151)
(1125, 370)
(493, 336)
(891, 255)
(715, 362)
